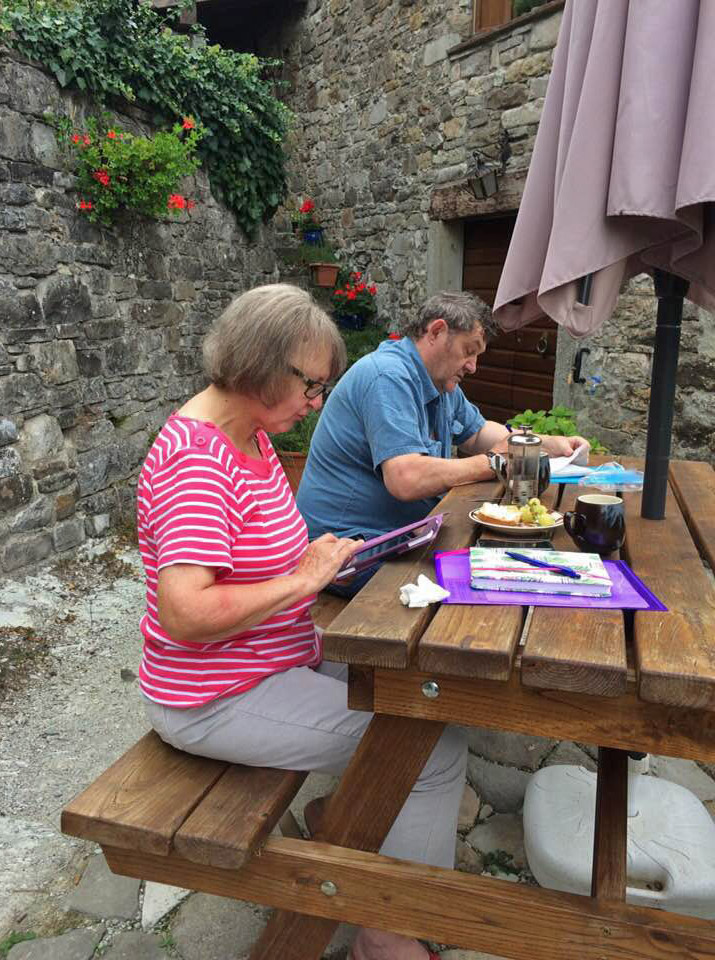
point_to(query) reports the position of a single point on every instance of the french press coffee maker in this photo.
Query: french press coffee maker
(522, 470)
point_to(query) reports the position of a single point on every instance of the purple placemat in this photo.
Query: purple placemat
(628, 591)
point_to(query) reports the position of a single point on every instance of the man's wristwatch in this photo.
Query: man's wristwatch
(497, 463)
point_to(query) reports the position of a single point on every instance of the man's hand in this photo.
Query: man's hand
(563, 446)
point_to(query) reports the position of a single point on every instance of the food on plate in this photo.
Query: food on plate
(496, 513)
(532, 514)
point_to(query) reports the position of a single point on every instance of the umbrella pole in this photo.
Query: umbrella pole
(670, 291)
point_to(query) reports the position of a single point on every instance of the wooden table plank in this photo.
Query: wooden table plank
(143, 798)
(238, 814)
(626, 722)
(583, 651)
(674, 651)
(473, 912)
(693, 484)
(376, 629)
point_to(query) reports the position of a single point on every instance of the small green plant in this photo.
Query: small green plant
(297, 439)
(119, 171)
(121, 48)
(14, 937)
(557, 422)
(499, 861)
(321, 253)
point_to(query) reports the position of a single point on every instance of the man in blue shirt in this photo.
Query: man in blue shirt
(380, 457)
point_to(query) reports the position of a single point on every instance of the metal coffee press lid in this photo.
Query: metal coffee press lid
(524, 440)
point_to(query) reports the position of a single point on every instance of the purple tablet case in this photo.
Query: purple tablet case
(392, 545)
(628, 591)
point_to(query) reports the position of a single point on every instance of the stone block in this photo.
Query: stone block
(98, 526)
(503, 788)
(66, 502)
(10, 462)
(92, 470)
(213, 928)
(513, 749)
(64, 299)
(436, 50)
(8, 431)
(14, 491)
(43, 144)
(510, 95)
(468, 808)
(87, 436)
(533, 66)
(31, 173)
(503, 831)
(572, 754)
(545, 33)
(68, 534)
(24, 549)
(77, 944)
(103, 894)
(15, 137)
(56, 362)
(28, 255)
(467, 859)
(39, 513)
(40, 438)
(474, 64)
(160, 899)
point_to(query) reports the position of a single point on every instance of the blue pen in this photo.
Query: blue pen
(566, 571)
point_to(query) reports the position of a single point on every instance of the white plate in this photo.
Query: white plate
(523, 529)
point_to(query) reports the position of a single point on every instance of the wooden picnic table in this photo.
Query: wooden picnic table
(642, 682)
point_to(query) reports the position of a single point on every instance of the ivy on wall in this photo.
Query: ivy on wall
(123, 49)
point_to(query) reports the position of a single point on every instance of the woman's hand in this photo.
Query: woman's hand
(323, 558)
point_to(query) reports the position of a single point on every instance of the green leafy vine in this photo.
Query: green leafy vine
(122, 49)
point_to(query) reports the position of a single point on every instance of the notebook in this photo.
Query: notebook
(491, 569)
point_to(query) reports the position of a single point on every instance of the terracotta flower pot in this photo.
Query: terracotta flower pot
(293, 464)
(324, 274)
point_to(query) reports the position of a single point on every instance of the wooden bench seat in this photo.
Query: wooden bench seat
(159, 800)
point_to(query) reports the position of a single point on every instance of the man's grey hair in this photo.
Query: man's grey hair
(253, 344)
(460, 311)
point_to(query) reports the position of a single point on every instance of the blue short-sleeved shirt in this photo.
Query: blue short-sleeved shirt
(385, 405)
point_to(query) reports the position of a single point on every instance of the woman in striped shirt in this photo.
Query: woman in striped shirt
(232, 663)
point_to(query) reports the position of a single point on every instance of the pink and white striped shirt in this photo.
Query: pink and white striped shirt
(201, 501)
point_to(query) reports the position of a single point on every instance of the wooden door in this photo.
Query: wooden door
(517, 370)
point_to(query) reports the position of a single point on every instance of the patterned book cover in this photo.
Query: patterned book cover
(492, 569)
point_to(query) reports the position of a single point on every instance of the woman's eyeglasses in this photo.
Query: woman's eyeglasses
(313, 388)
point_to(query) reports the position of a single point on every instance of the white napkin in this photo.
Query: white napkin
(422, 593)
(573, 466)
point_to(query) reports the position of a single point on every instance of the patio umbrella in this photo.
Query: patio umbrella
(621, 181)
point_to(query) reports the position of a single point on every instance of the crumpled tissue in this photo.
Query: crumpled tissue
(422, 593)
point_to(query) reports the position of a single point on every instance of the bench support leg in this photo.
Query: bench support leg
(608, 880)
(369, 797)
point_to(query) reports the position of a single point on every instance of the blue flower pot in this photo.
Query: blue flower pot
(352, 321)
(314, 238)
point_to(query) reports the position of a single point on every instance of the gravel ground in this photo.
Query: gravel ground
(69, 704)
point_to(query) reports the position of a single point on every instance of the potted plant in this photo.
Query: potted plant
(323, 264)
(306, 223)
(354, 302)
(292, 448)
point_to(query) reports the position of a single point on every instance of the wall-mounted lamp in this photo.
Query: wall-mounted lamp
(483, 173)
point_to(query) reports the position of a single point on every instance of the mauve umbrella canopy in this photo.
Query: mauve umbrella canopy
(622, 177)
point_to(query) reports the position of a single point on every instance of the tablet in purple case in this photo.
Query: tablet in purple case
(392, 544)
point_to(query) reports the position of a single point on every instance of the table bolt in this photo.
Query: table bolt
(430, 688)
(328, 888)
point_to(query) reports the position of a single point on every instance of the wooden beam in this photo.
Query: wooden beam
(624, 722)
(478, 913)
(610, 839)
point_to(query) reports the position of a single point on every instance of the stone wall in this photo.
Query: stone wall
(100, 330)
(393, 97)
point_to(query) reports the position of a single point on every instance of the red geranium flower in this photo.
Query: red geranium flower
(101, 176)
(111, 135)
(308, 206)
(84, 205)
(372, 289)
(189, 123)
(176, 202)
(76, 138)
(351, 295)
(86, 140)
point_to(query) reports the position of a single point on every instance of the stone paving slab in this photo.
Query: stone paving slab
(135, 945)
(685, 772)
(160, 899)
(515, 749)
(104, 894)
(75, 945)
(503, 788)
(503, 831)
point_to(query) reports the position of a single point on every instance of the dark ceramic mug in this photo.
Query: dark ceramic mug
(597, 524)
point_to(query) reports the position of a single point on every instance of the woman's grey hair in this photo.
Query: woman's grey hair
(252, 345)
(460, 311)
